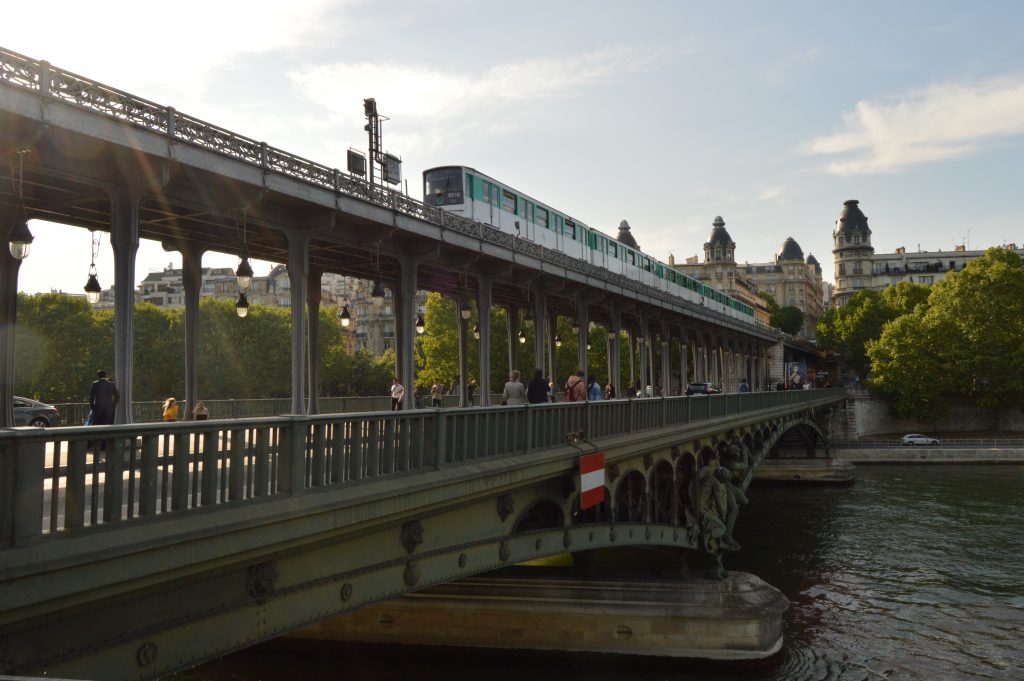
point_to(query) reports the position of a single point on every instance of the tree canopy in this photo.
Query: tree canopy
(848, 329)
(968, 339)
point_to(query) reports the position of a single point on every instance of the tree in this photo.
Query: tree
(914, 363)
(966, 340)
(847, 330)
(789, 318)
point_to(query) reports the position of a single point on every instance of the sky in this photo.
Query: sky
(665, 114)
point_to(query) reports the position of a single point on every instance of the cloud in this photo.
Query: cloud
(167, 49)
(441, 99)
(934, 124)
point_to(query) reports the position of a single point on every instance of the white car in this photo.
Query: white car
(915, 439)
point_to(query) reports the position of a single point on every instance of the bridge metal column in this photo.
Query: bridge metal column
(298, 271)
(405, 317)
(124, 239)
(615, 351)
(540, 311)
(552, 349)
(512, 313)
(642, 340)
(666, 360)
(632, 357)
(192, 281)
(582, 311)
(9, 267)
(683, 369)
(463, 357)
(483, 307)
(314, 295)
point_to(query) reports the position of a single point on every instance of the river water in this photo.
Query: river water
(915, 572)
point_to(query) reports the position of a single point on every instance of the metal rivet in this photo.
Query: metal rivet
(537, 544)
(463, 560)
(411, 576)
(346, 592)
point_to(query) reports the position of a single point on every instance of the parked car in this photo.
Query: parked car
(701, 389)
(915, 439)
(32, 413)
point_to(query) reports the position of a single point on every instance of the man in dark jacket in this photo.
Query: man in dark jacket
(103, 397)
(537, 388)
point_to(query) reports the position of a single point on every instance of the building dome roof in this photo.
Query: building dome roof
(625, 236)
(851, 219)
(790, 251)
(811, 260)
(720, 237)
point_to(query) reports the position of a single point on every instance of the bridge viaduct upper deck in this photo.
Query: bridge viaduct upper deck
(107, 160)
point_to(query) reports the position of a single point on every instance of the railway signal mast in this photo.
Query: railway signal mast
(390, 165)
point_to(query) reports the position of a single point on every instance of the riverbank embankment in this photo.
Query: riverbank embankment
(931, 455)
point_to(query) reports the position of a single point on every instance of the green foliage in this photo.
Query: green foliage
(60, 343)
(967, 339)
(789, 318)
(914, 364)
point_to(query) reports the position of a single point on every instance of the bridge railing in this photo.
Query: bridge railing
(60, 480)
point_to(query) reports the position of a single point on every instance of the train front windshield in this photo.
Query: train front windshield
(443, 187)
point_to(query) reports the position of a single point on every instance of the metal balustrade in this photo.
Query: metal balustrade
(71, 479)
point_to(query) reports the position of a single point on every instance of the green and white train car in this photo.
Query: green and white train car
(471, 194)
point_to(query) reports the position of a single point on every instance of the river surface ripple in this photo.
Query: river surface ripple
(914, 573)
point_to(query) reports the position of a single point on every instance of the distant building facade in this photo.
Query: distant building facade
(859, 268)
(789, 278)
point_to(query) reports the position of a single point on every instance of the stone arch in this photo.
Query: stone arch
(686, 475)
(542, 515)
(661, 487)
(630, 498)
(799, 435)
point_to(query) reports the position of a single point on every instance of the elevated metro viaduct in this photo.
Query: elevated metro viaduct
(227, 533)
(85, 154)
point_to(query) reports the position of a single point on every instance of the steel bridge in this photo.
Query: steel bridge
(131, 551)
(85, 154)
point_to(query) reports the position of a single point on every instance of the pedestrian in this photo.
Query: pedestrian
(537, 388)
(171, 409)
(200, 413)
(397, 394)
(593, 389)
(417, 397)
(576, 388)
(609, 392)
(515, 391)
(631, 391)
(436, 393)
(103, 398)
(470, 389)
(553, 392)
(744, 386)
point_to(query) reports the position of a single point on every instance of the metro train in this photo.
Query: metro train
(471, 194)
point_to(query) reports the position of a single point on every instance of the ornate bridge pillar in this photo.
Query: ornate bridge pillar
(192, 280)
(513, 338)
(314, 295)
(298, 273)
(582, 318)
(124, 239)
(483, 306)
(540, 311)
(9, 267)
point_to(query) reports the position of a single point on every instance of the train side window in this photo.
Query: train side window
(541, 217)
(508, 201)
(613, 249)
(570, 229)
